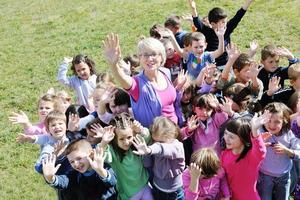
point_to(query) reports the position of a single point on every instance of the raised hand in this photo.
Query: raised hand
(256, 122)
(226, 106)
(195, 170)
(254, 70)
(254, 46)
(284, 52)
(181, 80)
(136, 127)
(109, 94)
(213, 101)
(141, 146)
(67, 60)
(112, 49)
(19, 118)
(97, 161)
(232, 51)
(274, 85)
(187, 17)
(60, 147)
(220, 31)
(108, 135)
(49, 168)
(209, 72)
(73, 124)
(192, 123)
(22, 138)
(192, 4)
(98, 130)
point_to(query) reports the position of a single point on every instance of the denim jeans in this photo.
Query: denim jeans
(276, 187)
(160, 195)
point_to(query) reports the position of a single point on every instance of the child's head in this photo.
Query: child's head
(97, 93)
(202, 106)
(188, 94)
(55, 124)
(207, 160)
(217, 18)
(173, 23)
(77, 153)
(280, 118)
(83, 66)
(123, 133)
(63, 101)
(294, 75)
(187, 43)
(168, 47)
(164, 130)
(152, 53)
(90, 134)
(45, 105)
(241, 68)
(155, 31)
(270, 58)
(237, 136)
(198, 43)
(294, 102)
(134, 62)
(121, 102)
(240, 96)
(104, 77)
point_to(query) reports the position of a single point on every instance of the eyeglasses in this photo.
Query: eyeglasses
(148, 55)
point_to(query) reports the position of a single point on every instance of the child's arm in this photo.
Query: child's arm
(97, 163)
(192, 125)
(49, 168)
(233, 54)
(180, 51)
(284, 52)
(195, 174)
(20, 118)
(112, 54)
(193, 6)
(22, 138)
(220, 34)
(246, 5)
(107, 137)
(62, 72)
(253, 48)
(257, 122)
(107, 97)
(253, 73)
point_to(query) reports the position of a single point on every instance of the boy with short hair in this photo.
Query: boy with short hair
(270, 58)
(173, 22)
(218, 19)
(93, 178)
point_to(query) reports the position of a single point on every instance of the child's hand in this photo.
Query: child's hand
(195, 171)
(213, 101)
(257, 122)
(22, 138)
(220, 31)
(273, 85)
(112, 49)
(136, 127)
(108, 135)
(165, 33)
(226, 106)
(192, 123)
(59, 148)
(97, 161)
(141, 146)
(73, 124)
(19, 118)
(49, 169)
(254, 46)
(254, 70)
(98, 130)
(280, 148)
(232, 51)
(109, 94)
(284, 52)
(181, 80)
(67, 60)
(192, 4)
(187, 17)
(209, 72)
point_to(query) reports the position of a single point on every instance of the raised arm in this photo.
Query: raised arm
(193, 6)
(112, 54)
(257, 122)
(247, 3)
(220, 33)
(233, 54)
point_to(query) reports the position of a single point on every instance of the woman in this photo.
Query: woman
(151, 91)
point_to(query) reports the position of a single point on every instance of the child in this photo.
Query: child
(133, 183)
(173, 61)
(242, 156)
(91, 177)
(173, 22)
(133, 61)
(218, 19)
(274, 93)
(45, 105)
(203, 127)
(198, 57)
(168, 159)
(282, 148)
(270, 58)
(205, 178)
(83, 81)
(245, 72)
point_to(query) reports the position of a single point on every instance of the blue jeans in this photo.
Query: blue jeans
(276, 187)
(160, 195)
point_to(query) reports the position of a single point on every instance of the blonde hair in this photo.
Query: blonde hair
(54, 115)
(294, 71)
(152, 44)
(78, 145)
(207, 160)
(163, 126)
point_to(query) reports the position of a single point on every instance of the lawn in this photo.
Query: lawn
(36, 35)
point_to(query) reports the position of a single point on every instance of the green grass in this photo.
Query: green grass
(36, 35)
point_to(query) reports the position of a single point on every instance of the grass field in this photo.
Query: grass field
(37, 34)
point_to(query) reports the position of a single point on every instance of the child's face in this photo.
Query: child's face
(186, 97)
(169, 50)
(83, 70)
(57, 128)
(90, 137)
(203, 113)
(161, 138)
(124, 138)
(118, 109)
(64, 103)
(243, 75)
(232, 141)
(198, 47)
(44, 108)
(221, 24)
(97, 97)
(79, 161)
(271, 63)
(274, 126)
(150, 60)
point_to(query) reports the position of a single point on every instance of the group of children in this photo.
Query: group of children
(236, 136)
